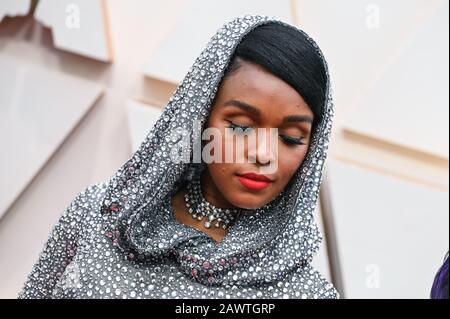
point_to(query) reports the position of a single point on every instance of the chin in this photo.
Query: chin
(246, 203)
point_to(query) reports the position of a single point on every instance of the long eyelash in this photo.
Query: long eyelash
(236, 126)
(287, 139)
(292, 140)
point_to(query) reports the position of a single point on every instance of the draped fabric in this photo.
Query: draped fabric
(130, 219)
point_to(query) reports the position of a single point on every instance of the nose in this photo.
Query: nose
(266, 148)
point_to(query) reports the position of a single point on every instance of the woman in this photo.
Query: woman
(171, 225)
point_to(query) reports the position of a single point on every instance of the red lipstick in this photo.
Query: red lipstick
(254, 181)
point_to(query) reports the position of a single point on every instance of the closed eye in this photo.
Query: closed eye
(238, 128)
(290, 140)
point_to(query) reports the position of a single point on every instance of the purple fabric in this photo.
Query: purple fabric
(440, 284)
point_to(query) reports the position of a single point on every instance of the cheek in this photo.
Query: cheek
(219, 168)
(222, 175)
(219, 172)
(215, 122)
(289, 161)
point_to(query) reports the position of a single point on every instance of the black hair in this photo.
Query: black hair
(289, 55)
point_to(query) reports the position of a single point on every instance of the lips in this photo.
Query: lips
(254, 181)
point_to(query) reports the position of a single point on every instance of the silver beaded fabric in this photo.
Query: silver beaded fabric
(119, 239)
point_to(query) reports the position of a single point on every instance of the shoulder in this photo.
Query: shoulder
(92, 197)
(93, 194)
(85, 204)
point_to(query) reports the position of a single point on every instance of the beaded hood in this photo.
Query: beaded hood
(123, 240)
(278, 242)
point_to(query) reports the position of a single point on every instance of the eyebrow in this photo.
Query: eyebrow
(255, 111)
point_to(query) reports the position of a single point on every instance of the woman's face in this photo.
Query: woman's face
(253, 98)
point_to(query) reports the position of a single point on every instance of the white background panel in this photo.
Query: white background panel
(361, 38)
(414, 89)
(38, 110)
(14, 7)
(387, 228)
(141, 118)
(200, 20)
(78, 26)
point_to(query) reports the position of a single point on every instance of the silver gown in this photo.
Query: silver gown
(119, 239)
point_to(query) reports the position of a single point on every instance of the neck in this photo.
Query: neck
(182, 216)
(211, 193)
(213, 196)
